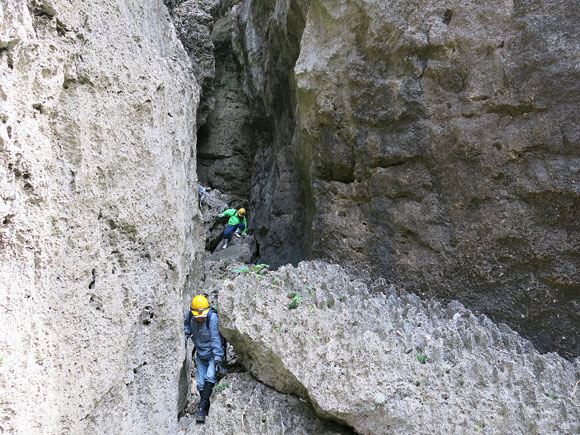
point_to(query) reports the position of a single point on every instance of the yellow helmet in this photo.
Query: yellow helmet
(242, 211)
(199, 306)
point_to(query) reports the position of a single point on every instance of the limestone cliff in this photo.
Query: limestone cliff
(382, 361)
(444, 152)
(99, 227)
(433, 144)
(247, 144)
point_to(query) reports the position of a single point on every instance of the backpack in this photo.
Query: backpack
(212, 311)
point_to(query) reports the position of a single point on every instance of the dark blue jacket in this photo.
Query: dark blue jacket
(207, 341)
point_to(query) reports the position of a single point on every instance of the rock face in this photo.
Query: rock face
(430, 143)
(442, 141)
(245, 406)
(193, 20)
(381, 361)
(99, 228)
(247, 145)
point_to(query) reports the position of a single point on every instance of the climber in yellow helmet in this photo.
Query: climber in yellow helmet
(201, 324)
(236, 223)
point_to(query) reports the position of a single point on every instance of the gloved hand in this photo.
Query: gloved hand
(220, 370)
(187, 336)
(221, 215)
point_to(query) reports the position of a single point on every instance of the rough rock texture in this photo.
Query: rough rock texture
(246, 146)
(99, 226)
(193, 20)
(437, 146)
(241, 250)
(382, 361)
(225, 147)
(245, 406)
(443, 139)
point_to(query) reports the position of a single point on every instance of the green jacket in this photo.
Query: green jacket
(234, 219)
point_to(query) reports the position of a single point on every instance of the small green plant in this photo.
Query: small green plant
(417, 383)
(421, 358)
(460, 381)
(261, 269)
(296, 299)
(310, 308)
(340, 298)
(260, 296)
(1, 359)
(329, 303)
(277, 280)
(222, 386)
(477, 427)
(243, 269)
(553, 396)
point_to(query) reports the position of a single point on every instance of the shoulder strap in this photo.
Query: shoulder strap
(208, 317)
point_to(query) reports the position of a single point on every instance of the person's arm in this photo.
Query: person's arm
(186, 327)
(245, 226)
(229, 212)
(216, 342)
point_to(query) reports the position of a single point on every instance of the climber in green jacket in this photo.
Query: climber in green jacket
(236, 223)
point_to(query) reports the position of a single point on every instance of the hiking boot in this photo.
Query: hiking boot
(237, 233)
(225, 244)
(200, 415)
(203, 407)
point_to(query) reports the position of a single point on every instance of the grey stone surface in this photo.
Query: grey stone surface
(384, 361)
(240, 250)
(193, 20)
(246, 406)
(442, 146)
(247, 145)
(214, 204)
(433, 142)
(100, 234)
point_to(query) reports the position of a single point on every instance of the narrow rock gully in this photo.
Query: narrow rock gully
(240, 397)
(314, 350)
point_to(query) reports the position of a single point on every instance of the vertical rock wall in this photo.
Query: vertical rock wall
(247, 144)
(436, 143)
(443, 139)
(99, 227)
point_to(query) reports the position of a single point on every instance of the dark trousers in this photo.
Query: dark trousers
(230, 230)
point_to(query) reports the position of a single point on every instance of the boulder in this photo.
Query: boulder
(384, 361)
(240, 404)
